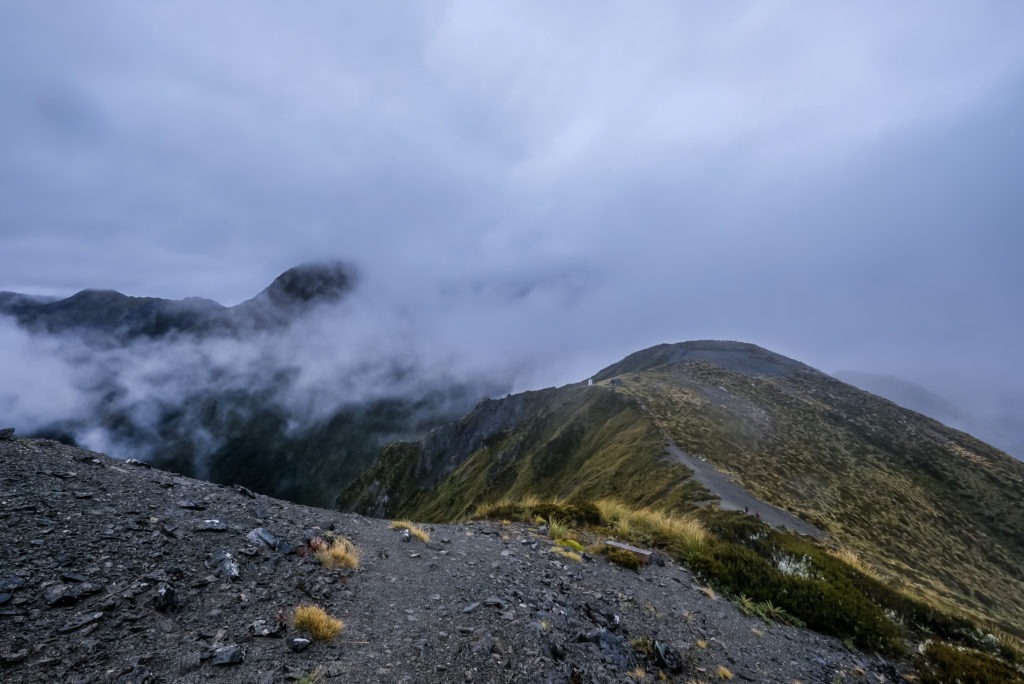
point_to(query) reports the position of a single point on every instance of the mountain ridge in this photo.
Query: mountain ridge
(111, 313)
(924, 504)
(912, 496)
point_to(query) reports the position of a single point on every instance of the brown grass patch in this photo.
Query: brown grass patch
(316, 622)
(339, 553)
(414, 530)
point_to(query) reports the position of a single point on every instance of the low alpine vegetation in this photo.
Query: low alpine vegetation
(336, 553)
(414, 530)
(567, 554)
(941, 662)
(681, 535)
(316, 622)
(570, 544)
(772, 574)
(557, 530)
(626, 559)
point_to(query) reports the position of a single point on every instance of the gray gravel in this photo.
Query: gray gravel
(112, 572)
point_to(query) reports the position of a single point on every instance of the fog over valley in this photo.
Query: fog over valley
(527, 192)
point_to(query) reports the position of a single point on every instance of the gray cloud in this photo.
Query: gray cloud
(544, 188)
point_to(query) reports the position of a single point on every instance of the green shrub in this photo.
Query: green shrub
(626, 559)
(833, 607)
(943, 663)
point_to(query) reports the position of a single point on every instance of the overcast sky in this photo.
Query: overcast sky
(840, 182)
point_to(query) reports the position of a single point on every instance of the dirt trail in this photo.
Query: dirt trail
(735, 498)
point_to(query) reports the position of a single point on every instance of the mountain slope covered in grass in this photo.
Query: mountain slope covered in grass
(931, 508)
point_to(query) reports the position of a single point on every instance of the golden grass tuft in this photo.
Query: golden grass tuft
(724, 673)
(316, 622)
(681, 535)
(515, 509)
(340, 553)
(566, 553)
(851, 558)
(557, 529)
(414, 530)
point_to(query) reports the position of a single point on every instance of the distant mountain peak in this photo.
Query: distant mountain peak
(312, 283)
(740, 357)
(107, 314)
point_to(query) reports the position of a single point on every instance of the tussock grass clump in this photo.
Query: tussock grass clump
(567, 554)
(681, 535)
(557, 529)
(533, 509)
(414, 530)
(638, 673)
(338, 553)
(643, 645)
(766, 610)
(851, 558)
(514, 509)
(316, 622)
(724, 673)
(570, 544)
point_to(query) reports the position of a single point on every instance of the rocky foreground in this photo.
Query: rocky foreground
(111, 571)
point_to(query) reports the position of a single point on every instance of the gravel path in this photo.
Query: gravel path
(735, 498)
(113, 572)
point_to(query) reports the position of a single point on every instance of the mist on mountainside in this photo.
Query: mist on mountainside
(993, 416)
(308, 372)
(295, 390)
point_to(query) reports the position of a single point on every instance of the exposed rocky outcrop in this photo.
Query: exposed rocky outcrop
(116, 572)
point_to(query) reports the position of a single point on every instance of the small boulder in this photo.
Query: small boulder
(211, 526)
(298, 644)
(228, 655)
(165, 597)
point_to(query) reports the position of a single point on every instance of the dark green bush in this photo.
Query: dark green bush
(942, 663)
(826, 605)
(849, 585)
(626, 559)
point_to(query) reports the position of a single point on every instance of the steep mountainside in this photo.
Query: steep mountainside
(231, 394)
(930, 506)
(575, 441)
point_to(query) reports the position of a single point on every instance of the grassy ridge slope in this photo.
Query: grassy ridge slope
(572, 441)
(929, 506)
(927, 503)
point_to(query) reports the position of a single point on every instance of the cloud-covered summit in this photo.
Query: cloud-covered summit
(839, 182)
(105, 316)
